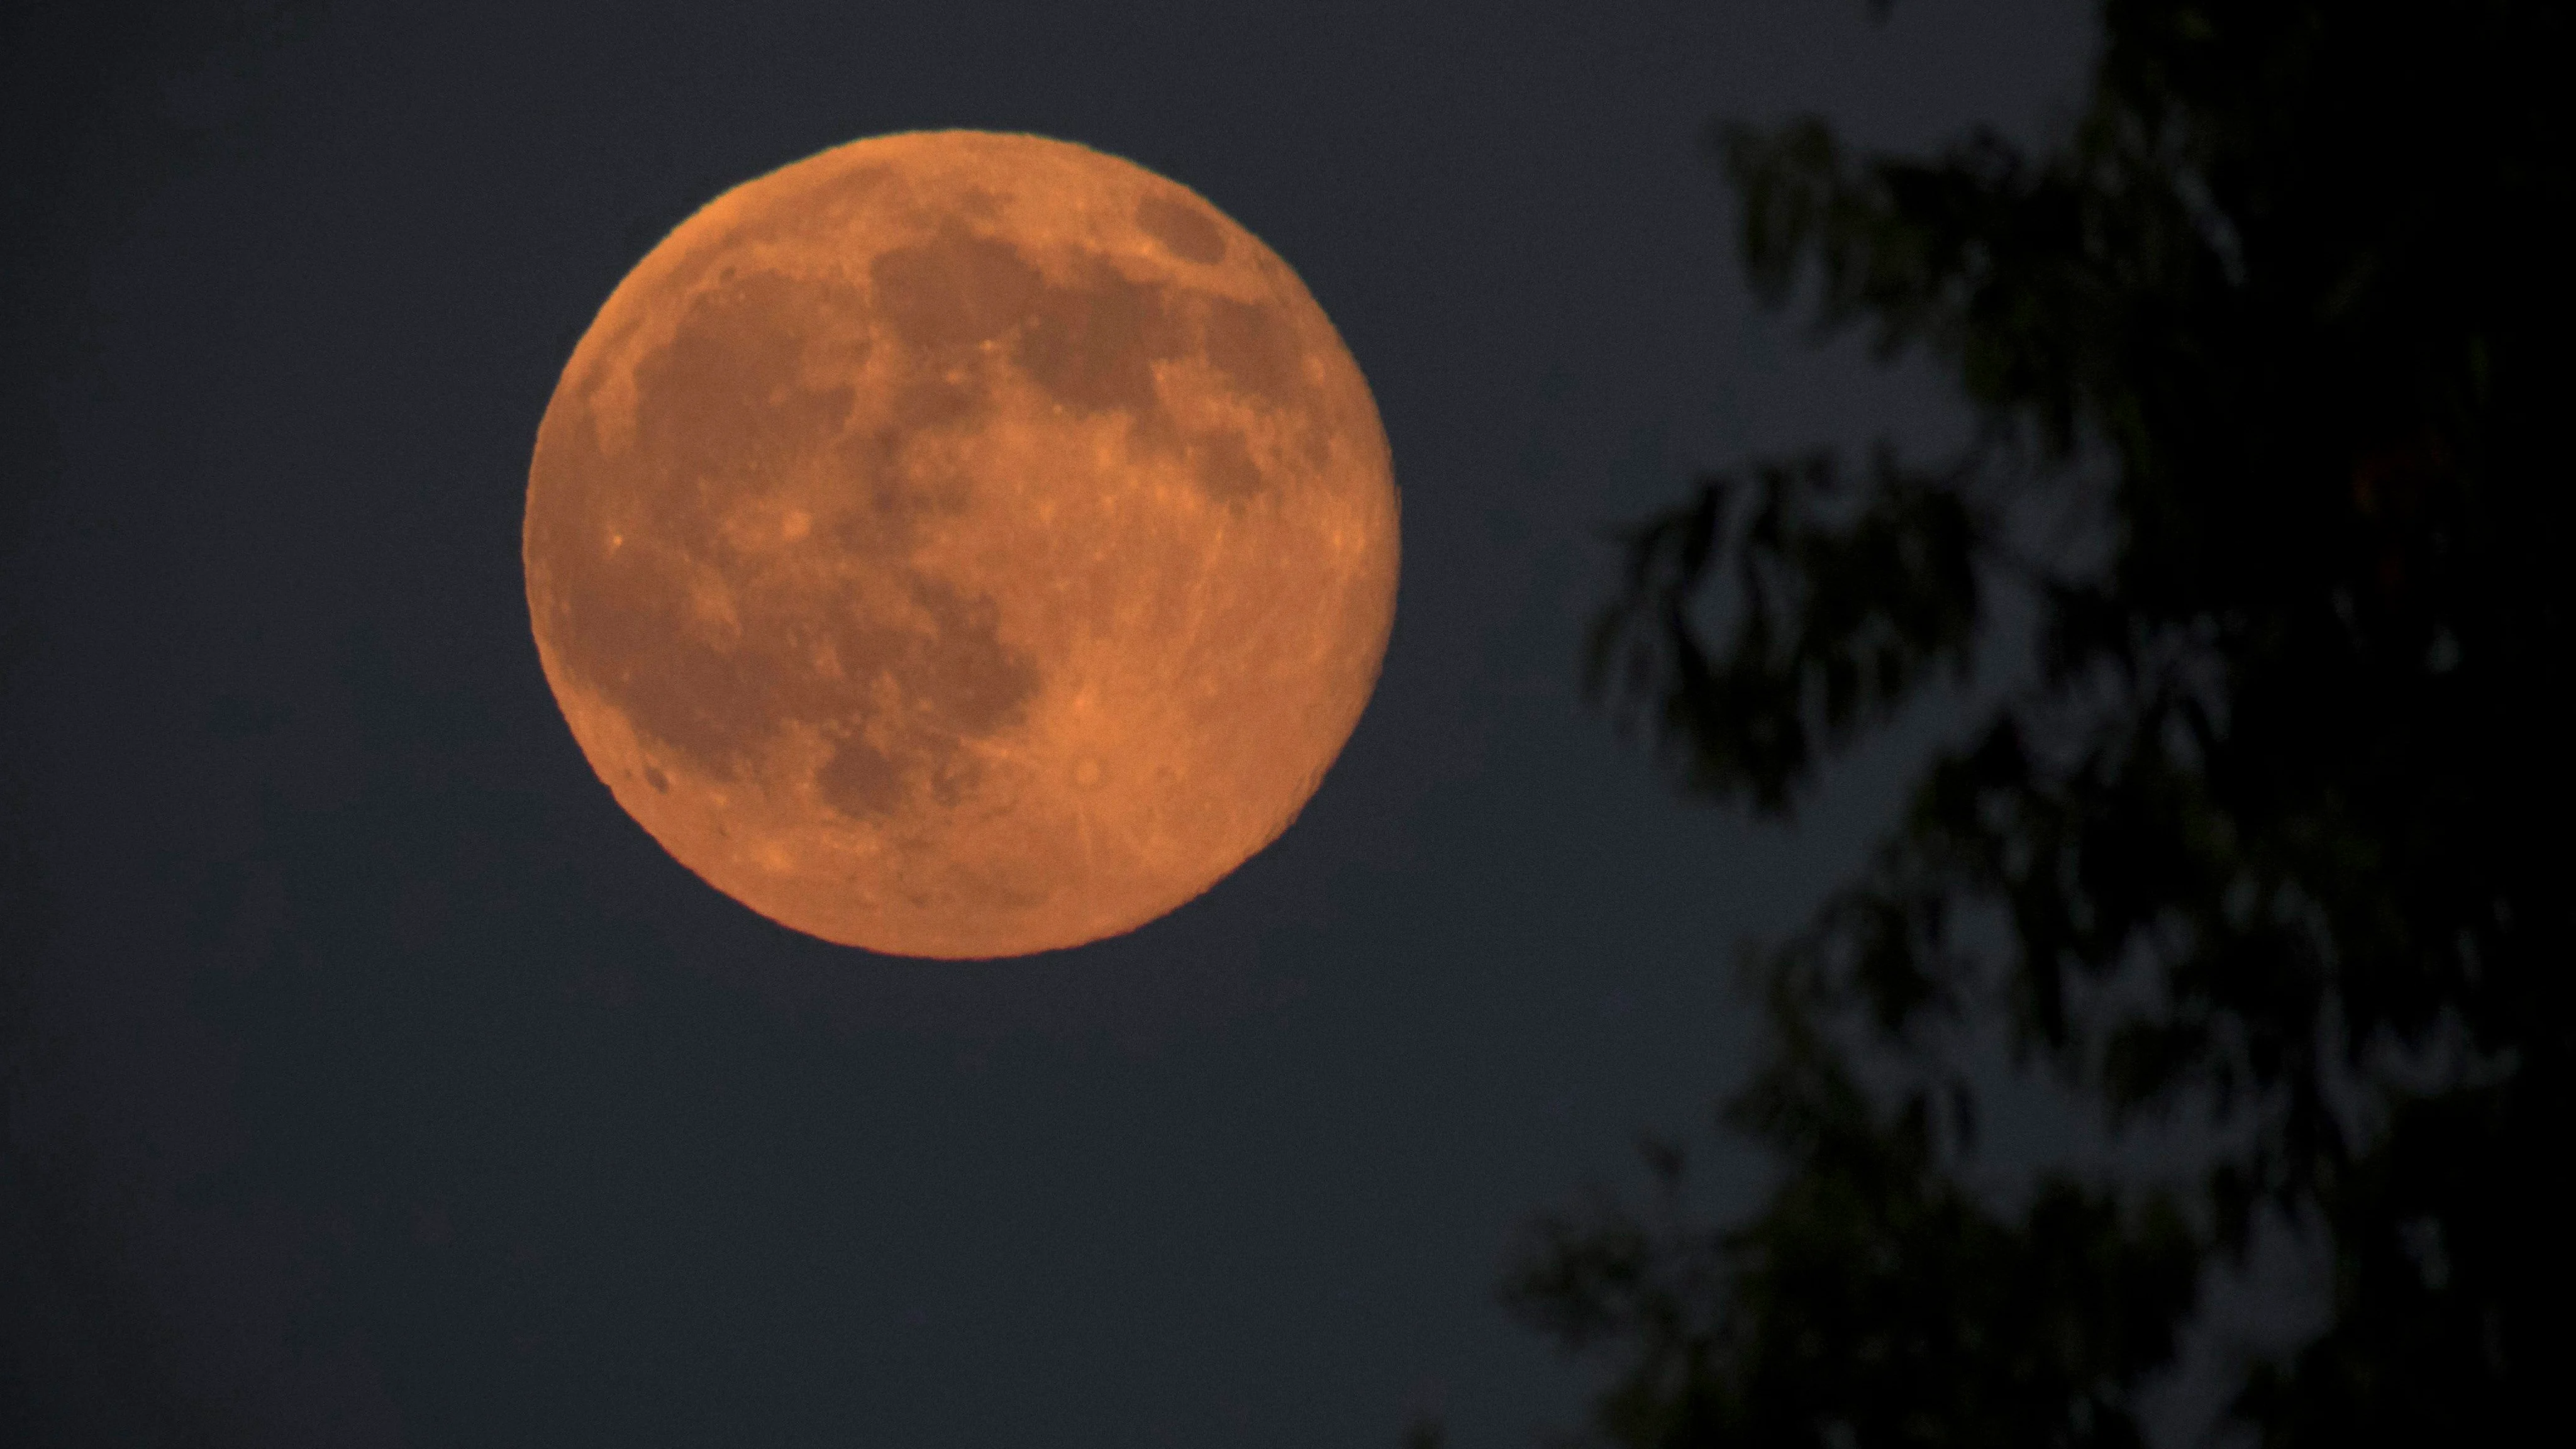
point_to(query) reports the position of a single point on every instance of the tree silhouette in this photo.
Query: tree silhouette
(2269, 834)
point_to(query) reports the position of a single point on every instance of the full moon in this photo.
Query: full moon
(961, 545)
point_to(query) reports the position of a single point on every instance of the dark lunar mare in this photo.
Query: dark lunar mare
(1189, 234)
(1092, 343)
(741, 398)
(729, 405)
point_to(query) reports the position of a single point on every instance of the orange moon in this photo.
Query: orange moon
(961, 545)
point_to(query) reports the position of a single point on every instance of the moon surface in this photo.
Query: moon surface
(961, 545)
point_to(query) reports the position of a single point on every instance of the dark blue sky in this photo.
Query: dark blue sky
(377, 1081)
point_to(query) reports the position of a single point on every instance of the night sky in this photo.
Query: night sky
(373, 1079)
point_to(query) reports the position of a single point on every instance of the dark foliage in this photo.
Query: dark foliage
(1875, 1301)
(2272, 357)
